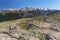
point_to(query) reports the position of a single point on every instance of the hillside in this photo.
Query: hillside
(35, 28)
(30, 24)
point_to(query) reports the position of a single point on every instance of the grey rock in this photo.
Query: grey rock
(29, 25)
(6, 37)
(12, 28)
(47, 19)
(55, 26)
(4, 29)
(50, 37)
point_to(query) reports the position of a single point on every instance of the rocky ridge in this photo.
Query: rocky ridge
(35, 30)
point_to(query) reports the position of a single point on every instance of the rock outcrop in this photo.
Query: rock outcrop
(35, 30)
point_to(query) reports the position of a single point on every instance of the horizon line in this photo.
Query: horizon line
(29, 7)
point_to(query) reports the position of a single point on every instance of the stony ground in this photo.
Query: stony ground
(25, 29)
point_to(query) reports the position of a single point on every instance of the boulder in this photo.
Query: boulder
(6, 37)
(12, 28)
(55, 26)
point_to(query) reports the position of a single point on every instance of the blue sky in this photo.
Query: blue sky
(52, 4)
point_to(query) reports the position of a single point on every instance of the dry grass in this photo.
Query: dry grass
(55, 17)
(8, 23)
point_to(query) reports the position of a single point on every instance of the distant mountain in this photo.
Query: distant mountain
(26, 13)
(34, 10)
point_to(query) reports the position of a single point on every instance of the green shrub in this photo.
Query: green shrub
(41, 37)
(23, 25)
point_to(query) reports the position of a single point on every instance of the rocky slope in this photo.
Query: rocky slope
(28, 29)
